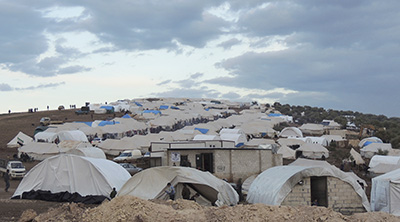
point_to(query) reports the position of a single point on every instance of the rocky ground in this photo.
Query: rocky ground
(134, 209)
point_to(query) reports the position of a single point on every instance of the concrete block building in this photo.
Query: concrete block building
(302, 185)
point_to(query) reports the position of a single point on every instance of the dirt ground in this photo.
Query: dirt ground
(10, 125)
(134, 209)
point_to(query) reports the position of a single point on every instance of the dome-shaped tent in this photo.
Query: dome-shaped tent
(291, 132)
(72, 178)
(151, 183)
(296, 181)
(93, 152)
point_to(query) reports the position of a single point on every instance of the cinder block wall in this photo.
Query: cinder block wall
(300, 195)
(341, 196)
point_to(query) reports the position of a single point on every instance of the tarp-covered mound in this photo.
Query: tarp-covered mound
(151, 184)
(63, 177)
(271, 189)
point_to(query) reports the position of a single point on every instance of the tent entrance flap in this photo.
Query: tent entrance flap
(205, 162)
(319, 190)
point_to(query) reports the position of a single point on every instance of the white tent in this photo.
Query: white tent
(231, 131)
(290, 141)
(206, 137)
(41, 151)
(374, 148)
(93, 152)
(317, 140)
(291, 132)
(20, 138)
(312, 129)
(255, 142)
(45, 136)
(268, 188)
(287, 152)
(312, 150)
(380, 164)
(115, 147)
(369, 140)
(322, 163)
(385, 193)
(247, 183)
(151, 184)
(75, 135)
(71, 173)
(356, 157)
(239, 139)
(378, 159)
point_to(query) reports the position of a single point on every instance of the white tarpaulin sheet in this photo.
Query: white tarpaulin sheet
(312, 150)
(271, 189)
(385, 193)
(71, 173)
(151, 184)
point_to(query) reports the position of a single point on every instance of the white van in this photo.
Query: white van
(128, 156)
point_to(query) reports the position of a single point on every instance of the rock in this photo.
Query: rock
(27, 215)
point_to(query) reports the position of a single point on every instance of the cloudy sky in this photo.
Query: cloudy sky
(341, 55)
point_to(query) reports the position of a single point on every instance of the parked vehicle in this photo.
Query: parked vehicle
(132, 169)
(44, 121)
(128, 155)
(16, 168)
(84, 110)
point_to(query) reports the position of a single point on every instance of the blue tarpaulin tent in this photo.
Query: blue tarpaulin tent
(174, 107)
(203, 131)
(103, 123)
(164, 107)
(138, 104)
(87, 123)
(127, 116)
(107, 107)
(152, 111)
(275, 114)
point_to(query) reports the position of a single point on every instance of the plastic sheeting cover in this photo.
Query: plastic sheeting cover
(71, 173)
(151, 183)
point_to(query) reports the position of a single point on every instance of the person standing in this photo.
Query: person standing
(239, 189)
(6, 177)
(185, 192)
(170, 191)
(113, 193)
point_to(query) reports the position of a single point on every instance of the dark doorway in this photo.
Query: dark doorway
(319, 190)
(184, 160)
(205, 162)
(299, 154)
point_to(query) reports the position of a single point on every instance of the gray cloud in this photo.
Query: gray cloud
(231, 96)
(7, 87)
(228, 44)
(189, 93)
(340, 53)
(164, 82)
(73, 69)
(196, 75)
